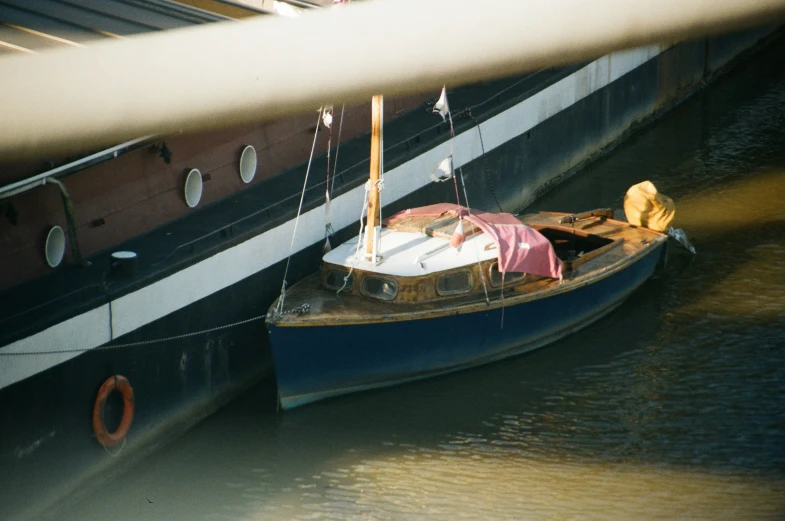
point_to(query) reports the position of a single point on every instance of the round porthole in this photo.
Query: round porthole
(193, 188)
(248, 164)
(54, 249)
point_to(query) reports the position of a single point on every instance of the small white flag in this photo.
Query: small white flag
(441, 107)
(444, 170)
(327, 117)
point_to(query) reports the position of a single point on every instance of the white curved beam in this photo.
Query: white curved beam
(236, 72)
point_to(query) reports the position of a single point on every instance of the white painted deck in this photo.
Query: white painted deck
(407, 254)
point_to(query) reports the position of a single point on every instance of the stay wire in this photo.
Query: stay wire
(452, 159)
(337, 149)
(299, 211)
(466, 198)
(329, 147)
(359, 237)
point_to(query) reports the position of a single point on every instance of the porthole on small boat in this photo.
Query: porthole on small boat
(193, 188)
(383, 289)
(54, 248)
(509, 277)
(334, 280)
(248, 164)
(453, 283)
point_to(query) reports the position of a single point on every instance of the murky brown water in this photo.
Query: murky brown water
(673, 407)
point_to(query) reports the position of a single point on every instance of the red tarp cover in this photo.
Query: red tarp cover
(521, 249)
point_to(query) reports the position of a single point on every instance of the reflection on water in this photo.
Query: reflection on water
(672, 407)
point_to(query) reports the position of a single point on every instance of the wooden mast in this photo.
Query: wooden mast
(374, 210)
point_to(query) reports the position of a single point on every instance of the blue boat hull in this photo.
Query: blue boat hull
(317, 362)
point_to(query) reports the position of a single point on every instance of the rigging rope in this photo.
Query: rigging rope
(299, 211)
(452, 160)
(330, 184)
(337, 149)
(465, 195)
(359, 237)
(328, 226)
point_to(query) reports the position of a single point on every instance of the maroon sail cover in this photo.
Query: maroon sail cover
(521, 249)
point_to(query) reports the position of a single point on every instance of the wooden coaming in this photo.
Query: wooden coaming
(417, 297)
(421, 289)
(442, 226)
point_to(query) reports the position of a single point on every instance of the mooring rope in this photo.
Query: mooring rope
(302, 309)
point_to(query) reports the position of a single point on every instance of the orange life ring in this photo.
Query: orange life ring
(113, 383)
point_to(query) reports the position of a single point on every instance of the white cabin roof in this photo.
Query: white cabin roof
(409, 254)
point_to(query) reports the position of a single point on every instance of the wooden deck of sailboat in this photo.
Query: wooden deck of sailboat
(590, 250)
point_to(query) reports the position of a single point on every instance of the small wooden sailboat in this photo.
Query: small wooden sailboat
(443, 288)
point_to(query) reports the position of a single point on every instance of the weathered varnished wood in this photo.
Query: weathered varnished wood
(442, 226)
(375, 171)
(572, 264)
(417, 297)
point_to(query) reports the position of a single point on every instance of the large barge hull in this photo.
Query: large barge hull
(191, 322)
